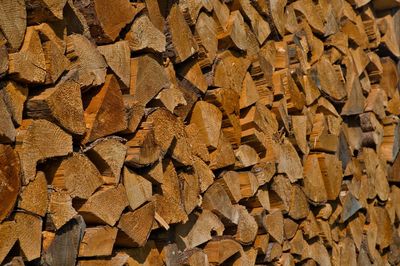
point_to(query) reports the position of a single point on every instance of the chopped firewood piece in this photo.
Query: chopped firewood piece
(246, 156)
(106, 19)
(109, 155)
(217, 200)
(39, 11)
(219, 251)
(13, 22)
(223, 156)
(169, 132)
(142, 148)
(229, 71)
(117, 56)
(329, 81)
(61, 104)
(259, 25)
(42, 140)
(208, 119)
(29, 229)
(8, 235)
(65, 245)
(60, 208)
(77, 175)
(235, 34)
(97, 241)
(148, 78)
(7, 129)
(34, 197)
(180, 42)
(96, 209)
(14, 96)
(134, 112)
(143, 35)
(105, 114)
(288, 161)
(56, 62)
(191, 72)
(198, 229)
(138, 189)
(29, 64)
(136, 226)
(206, 30)
(249, 94)
(10, 180)
(190, 189)
(247, 227)
(248, 184)
(274, 225)
(86, 60)
(350, 206)
(199, 148)
(314, 187)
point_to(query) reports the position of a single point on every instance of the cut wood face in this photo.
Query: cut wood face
(200, 132)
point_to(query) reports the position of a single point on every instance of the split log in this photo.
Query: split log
(97, 241)
(86, 60)
(34, 197)
(67, 237)
(181, 44)
(136, 226)
(80, 183)
(30, 242)
(13, 22)
(14, 96)
(105, 114)
(95, 209)
(29, 64)
(148, 78)
(198, 230)
(10, 177)
(138, 189)
(61, 104)
(143, 35)
(97, 14)
(7, 129)
(42, 140)
(117, 56)
(142, 149)
(60, 208)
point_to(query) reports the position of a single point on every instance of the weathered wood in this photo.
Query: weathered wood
(60, 208)
(29, 234)
(65, 245)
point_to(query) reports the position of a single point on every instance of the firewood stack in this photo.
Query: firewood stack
(199, 132)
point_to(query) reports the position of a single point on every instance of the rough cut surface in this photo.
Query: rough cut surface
(200, 132)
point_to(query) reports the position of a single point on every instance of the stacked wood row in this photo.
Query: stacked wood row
(199, 132)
